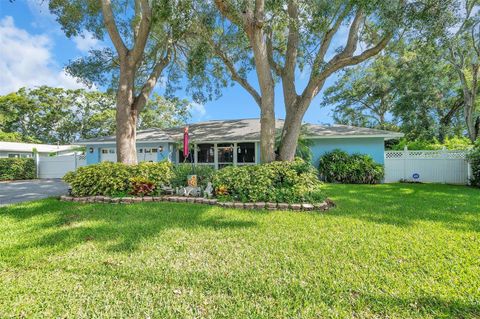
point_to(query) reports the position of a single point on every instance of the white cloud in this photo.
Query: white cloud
(86, 42)
(26, 60)
(197, 111)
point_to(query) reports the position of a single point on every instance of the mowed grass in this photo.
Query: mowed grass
(386, 251)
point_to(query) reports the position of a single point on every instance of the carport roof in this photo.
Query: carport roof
(243, 130)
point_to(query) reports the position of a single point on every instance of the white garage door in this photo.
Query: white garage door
(108, 155)
(58, 166)
(147, 154)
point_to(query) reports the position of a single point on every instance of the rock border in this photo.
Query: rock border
(323, 206)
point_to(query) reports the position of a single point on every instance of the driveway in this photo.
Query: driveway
(23, 191)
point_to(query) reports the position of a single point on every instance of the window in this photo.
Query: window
(205, 153)
(245, 153)
(108, 151)
(154, 150)
(225, 155)
(14, 155)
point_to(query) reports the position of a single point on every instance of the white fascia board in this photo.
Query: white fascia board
(398, 135)
(114, 142)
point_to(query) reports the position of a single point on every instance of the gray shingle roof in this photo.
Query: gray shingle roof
(245, 130)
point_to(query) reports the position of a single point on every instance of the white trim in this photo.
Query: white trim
(355, 136)
(114, 142)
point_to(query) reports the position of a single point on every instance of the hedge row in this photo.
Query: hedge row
(288, 182)
(17, 168)
(474, 159)
(340, 167)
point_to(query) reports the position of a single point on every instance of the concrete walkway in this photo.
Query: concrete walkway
(23, 191)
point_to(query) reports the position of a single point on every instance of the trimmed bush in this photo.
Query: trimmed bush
(474, 160)
(17, 168)
(181, 171)
(289, 182)
(340, 167)
(110, 179)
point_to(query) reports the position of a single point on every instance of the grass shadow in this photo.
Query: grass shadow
(455, 207)
(54, 226)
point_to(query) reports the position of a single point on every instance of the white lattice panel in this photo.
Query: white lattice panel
(440, 166)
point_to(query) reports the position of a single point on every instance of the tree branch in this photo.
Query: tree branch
(288, 72)
(235, 75)
(111, 26)
(152, 80)
(143, 30)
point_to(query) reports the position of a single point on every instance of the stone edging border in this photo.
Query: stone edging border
(323, 206)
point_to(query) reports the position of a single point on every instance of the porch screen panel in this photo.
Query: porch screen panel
(245, 153)
(205, 154)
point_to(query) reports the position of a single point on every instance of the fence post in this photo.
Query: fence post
(37, 164)
(404, 157)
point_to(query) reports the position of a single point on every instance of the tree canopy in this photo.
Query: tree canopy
(56, 115)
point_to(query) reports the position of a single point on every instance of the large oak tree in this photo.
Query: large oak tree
(283, 40)
(145, 36)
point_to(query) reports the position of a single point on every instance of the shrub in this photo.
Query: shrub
(141, 186)
(160, 173)
(17, 168)
(289, 182)
(109, 178)
(453, 143)
(474, 160)
(181, 171)
(340, 167)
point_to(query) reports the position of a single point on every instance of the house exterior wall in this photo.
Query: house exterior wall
(370, 146)
(373, 146)
(95, 156)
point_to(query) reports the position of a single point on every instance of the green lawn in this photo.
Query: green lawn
(386, 251)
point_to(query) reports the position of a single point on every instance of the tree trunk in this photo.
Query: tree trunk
(291, 131)
(126, 117)
(267, 135)
(267, 89)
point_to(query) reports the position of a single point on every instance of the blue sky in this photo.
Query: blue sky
(34, 51)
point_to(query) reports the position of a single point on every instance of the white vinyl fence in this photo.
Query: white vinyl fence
(442, 166)
(58, 166)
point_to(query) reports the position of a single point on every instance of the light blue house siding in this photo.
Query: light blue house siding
(373, 146)
(94, 151)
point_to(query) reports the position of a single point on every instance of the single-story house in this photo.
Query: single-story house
(13, 149)
(221, 143)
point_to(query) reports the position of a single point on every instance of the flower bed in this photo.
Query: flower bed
(323, 206)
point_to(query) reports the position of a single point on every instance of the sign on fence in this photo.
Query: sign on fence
(442, 166)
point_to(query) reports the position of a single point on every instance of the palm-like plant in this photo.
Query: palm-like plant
(303, 144)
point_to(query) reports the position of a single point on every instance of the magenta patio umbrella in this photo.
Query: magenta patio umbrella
(186, 149)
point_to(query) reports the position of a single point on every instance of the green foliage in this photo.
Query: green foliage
(295, 181)
(474, 160)
(181, 171)
(16, 137)
(140, 186)
(17, 168)
(105, 178)
(340, 167)
(454, 143)
(160, 173)
(108, 178)
(52, 115)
